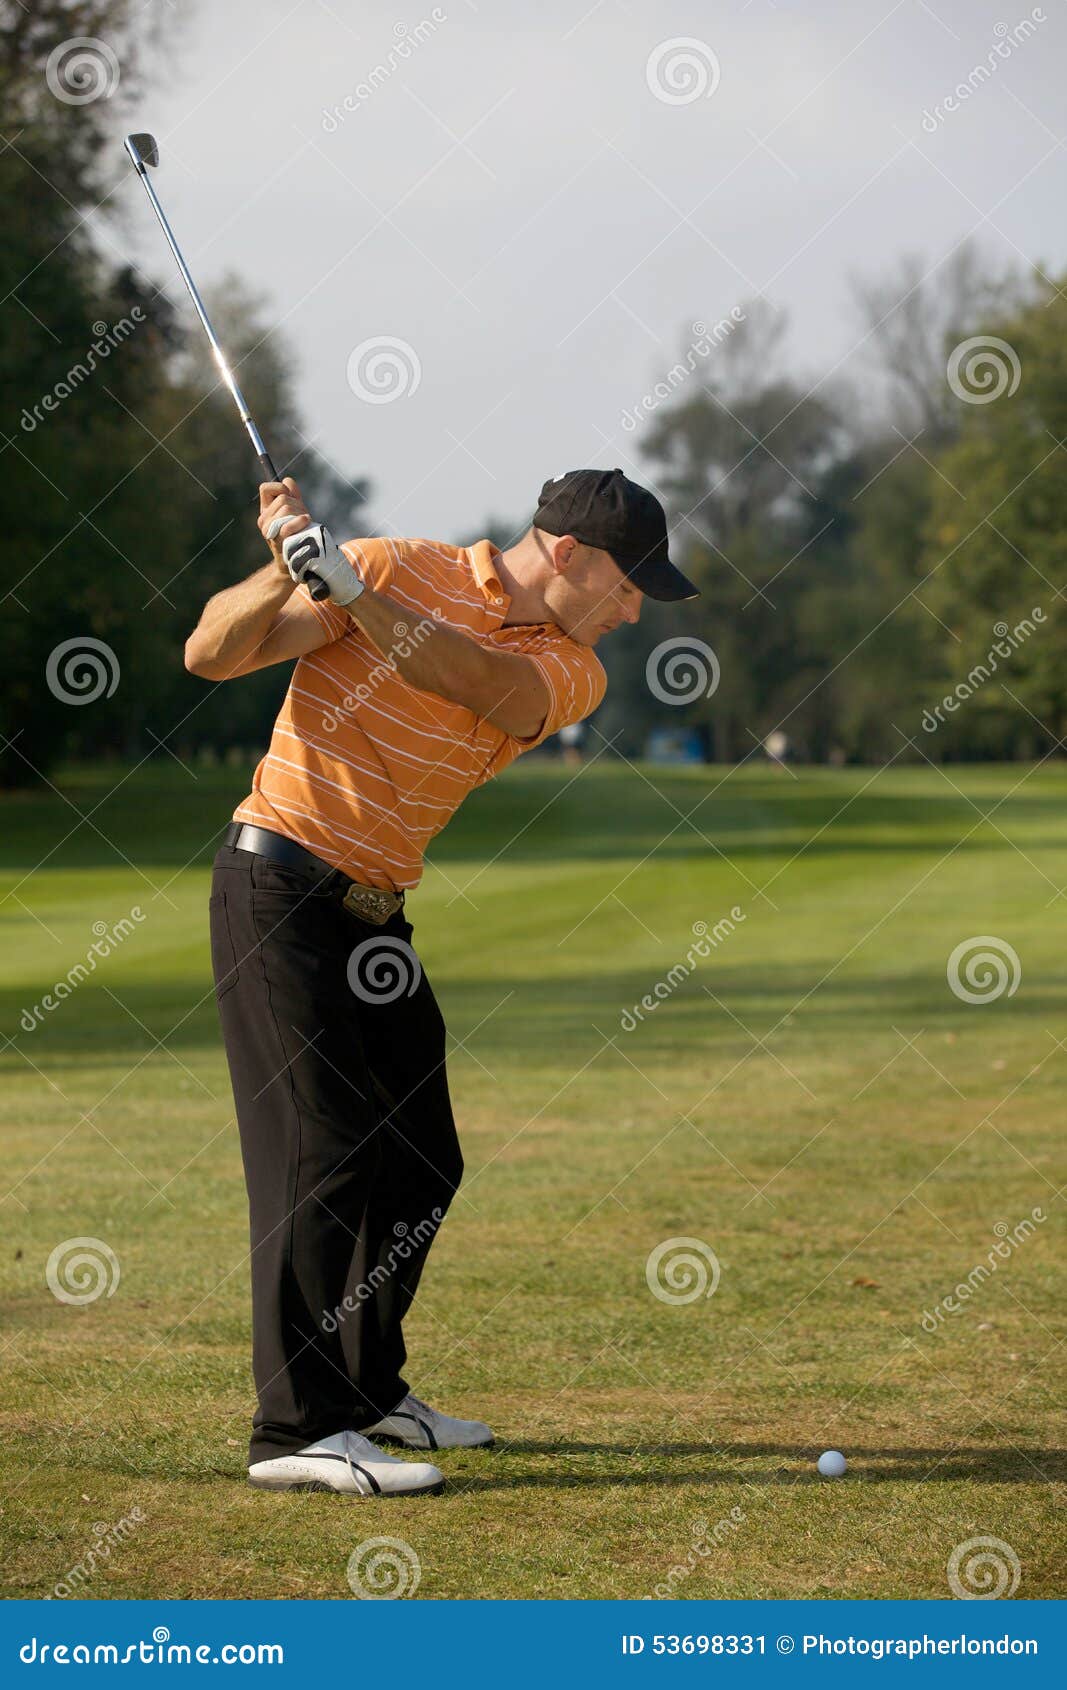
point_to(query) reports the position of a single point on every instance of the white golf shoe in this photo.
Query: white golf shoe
(416, 1425)
(346, 1462)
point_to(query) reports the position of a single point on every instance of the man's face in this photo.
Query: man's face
(588, 594)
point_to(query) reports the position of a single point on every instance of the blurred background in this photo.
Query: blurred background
(804, 279)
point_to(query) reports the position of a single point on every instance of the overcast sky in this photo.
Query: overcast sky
(538, 201)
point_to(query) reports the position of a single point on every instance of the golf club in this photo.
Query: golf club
(144, 152)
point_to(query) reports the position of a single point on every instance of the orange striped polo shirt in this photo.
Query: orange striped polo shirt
(363, 768)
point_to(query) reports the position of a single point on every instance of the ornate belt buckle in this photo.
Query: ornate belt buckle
(371, 903)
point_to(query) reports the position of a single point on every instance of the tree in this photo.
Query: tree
(129, 481)
(994, 543)
(740, 457)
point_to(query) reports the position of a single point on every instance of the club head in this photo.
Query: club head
(143, 150)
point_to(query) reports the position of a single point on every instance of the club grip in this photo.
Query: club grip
(318, 589)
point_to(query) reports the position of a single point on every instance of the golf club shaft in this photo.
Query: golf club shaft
(318, 589)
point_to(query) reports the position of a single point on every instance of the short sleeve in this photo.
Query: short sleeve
(376, 562)
(576, 685)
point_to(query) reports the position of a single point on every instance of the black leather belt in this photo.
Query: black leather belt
(369, 903)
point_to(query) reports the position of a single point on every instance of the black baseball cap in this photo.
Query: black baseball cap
(603, 508)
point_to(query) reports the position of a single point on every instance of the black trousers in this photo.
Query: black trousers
(336, 1050)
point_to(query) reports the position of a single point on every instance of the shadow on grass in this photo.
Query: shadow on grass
(523, 1023)
(590, 1466)
(876, 1465)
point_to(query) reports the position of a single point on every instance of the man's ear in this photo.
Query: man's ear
(563, 551)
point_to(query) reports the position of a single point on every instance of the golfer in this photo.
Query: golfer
(424, 672)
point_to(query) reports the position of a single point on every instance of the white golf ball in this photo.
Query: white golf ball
(832, 1464)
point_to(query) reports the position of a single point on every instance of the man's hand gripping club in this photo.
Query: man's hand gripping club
(303, 547)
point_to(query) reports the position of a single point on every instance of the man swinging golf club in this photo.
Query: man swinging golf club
(426, 670)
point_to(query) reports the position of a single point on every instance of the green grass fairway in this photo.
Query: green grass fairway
(810, 1102)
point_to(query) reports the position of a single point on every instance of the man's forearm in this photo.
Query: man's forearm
(501, 686)
(235, 623)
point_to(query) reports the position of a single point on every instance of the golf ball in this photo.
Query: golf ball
(832, 1464)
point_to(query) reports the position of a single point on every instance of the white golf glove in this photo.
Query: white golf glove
(314, 551)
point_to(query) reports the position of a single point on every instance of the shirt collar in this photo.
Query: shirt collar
(483, 556)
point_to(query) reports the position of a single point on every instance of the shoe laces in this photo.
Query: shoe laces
(417, 1402)
(353, 1470)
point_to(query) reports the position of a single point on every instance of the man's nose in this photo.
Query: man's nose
(632, 612)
